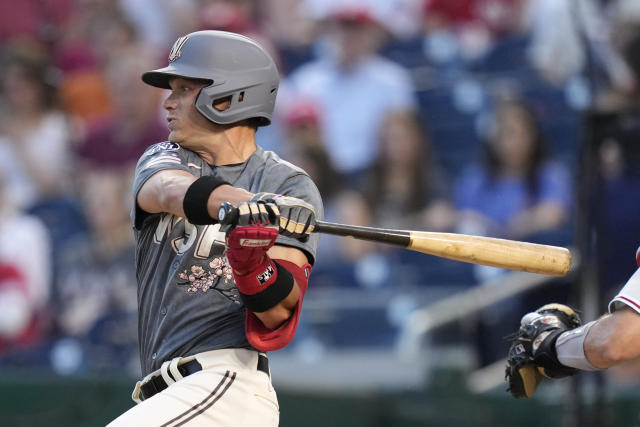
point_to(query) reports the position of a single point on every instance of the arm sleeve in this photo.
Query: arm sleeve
(265, 339)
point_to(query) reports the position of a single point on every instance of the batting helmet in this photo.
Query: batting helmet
(236, 66)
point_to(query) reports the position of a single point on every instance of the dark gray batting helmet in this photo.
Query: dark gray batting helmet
(237, 67)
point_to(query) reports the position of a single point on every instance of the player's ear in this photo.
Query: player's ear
(223, 104)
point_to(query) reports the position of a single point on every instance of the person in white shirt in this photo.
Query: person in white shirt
(355, 89)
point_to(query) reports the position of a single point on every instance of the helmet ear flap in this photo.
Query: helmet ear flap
(239, 102)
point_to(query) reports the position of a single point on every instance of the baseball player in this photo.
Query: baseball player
(551, 343)
(213, 300)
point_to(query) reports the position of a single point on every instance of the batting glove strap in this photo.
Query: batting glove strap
(264, 287)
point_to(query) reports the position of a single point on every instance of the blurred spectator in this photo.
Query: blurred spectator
(83, 90)
(402, 18)
(569, 38)
(468, 28)
(406, 188)
(18, 323)
(120, 138)
(355, 89)
(154, 20)
(25, 275)
(305, 146)
(516, 192)
(351, 262)
(237, 16)
(114, 38)
(227, 15)
(84, 94)
(35, 137)
(95, 296)
(289, 24)
(34, 133)
(33, 19)
(100, 34)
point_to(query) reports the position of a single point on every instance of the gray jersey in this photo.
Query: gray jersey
(187, 299)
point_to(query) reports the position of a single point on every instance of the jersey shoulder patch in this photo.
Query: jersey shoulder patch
(163, 146)
(162, 154)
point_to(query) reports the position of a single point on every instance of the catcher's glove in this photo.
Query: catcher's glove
(532, 355)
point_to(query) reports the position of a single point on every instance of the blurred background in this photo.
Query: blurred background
(508, 118)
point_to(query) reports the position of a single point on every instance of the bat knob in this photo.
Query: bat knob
(227, 213)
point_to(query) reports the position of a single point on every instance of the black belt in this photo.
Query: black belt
(156, 384)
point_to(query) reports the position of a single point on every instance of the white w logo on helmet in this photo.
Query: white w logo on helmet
(175, 50)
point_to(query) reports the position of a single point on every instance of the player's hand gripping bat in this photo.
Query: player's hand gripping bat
(503, 253)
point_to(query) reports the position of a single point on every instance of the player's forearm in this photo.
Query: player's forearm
(226, 193)
(613, 339)
(165, 192)
(171, 195)
(279, 314)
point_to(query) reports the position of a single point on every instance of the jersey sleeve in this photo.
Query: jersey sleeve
(161, 156)
(629, 295)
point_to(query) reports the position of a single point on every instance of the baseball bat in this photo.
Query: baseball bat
(502, 253)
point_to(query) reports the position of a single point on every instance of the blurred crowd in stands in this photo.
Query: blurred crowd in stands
(441, 115)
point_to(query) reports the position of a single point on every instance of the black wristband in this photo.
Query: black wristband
(195, 199)
(271, 296)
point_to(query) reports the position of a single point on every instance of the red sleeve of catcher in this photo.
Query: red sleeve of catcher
(265, 339)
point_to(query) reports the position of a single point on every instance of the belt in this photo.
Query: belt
(156, 383)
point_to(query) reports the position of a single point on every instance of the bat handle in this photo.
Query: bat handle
(227, 214)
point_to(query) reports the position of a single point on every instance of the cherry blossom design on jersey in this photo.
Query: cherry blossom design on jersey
(218, 276)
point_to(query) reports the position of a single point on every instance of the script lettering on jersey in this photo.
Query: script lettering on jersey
(209, 236)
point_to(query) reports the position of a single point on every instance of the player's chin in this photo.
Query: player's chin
(174, 136)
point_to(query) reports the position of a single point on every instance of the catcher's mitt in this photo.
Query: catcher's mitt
(532, 354)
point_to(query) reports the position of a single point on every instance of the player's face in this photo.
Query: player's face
(186, 125)
(514, 142)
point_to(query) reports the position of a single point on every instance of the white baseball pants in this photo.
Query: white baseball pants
(228, 391)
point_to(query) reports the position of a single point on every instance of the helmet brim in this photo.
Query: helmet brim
(160, 77)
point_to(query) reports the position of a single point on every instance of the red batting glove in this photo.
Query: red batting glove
(248, 245)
